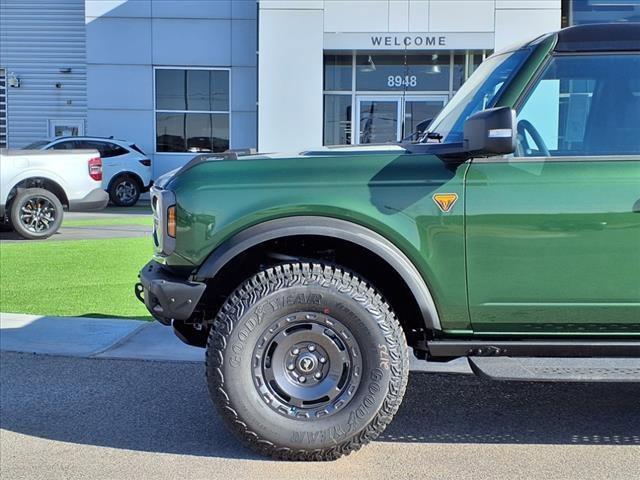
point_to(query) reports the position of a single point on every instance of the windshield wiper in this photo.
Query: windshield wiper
(431, 136)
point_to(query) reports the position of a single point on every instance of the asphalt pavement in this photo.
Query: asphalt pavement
(93, 232)
(64, 417)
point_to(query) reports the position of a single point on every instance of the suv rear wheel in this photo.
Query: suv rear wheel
(35, 213)
(125, 191)
(306, 362)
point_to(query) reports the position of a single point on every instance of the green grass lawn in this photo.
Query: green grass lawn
(73, 277)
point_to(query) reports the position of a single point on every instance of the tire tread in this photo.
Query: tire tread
(296, 274)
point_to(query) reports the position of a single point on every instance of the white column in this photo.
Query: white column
(290, 76)
(521, 20)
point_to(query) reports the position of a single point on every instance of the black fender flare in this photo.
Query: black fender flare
(328, 227)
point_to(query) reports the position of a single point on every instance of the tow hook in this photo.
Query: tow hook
(138, 289)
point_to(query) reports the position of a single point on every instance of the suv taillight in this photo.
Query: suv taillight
(95, 168)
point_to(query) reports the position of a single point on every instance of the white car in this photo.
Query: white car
(127, 169)
(35, 186)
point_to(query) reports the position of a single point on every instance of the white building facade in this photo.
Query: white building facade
(369, 71)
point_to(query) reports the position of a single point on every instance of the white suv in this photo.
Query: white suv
(126, 168)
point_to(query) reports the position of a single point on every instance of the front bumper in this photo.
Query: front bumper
(95, 200)
(166, 296)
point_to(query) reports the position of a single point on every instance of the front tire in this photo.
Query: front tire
(36, 213)
(306, 362)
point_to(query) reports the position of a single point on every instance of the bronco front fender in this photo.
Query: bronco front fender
(328, 227)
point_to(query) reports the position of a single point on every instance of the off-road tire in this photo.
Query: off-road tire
(250, 312)
(21, 200)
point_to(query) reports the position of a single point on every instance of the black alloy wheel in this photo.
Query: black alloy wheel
(36, 213)
(125, 191)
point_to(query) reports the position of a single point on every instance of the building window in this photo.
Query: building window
(3, 108)
(192, 110)
(337, 119)
(65, 128)
(338, 72)
(580, 12)
(403, 72)
(386, 97)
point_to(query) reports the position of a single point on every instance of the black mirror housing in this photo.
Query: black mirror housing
(491, 132)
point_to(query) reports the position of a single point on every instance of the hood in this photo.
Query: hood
(162, 180)
(332, 151)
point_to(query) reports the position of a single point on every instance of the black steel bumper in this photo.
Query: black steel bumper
(166, 296)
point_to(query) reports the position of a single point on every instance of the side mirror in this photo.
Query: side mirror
(491, 132)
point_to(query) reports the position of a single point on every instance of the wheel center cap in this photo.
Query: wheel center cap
(307, 363)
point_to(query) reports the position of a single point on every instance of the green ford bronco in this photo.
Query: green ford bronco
(506, 236)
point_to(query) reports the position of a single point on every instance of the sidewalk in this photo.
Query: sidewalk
(123, 339)
(93, 337)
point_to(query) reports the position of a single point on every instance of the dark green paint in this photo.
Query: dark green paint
(390, 194)
(554, 246)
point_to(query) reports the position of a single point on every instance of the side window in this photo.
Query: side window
(69, 145)
(100, 146)
(583, 105)
(82, 145)
(108, 150)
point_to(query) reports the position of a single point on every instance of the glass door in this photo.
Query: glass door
(384, 119)
(378, 119)
(419, 111)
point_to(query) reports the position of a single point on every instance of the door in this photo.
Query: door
(383, 119)
(378, 119)
(112, 157)
(553, 233)
(419, 111)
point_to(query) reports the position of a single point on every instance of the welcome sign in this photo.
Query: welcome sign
(409, 41)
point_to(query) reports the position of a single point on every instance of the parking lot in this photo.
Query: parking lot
(112, 222)
(90, 418)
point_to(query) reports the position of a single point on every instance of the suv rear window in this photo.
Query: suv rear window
(133, 146)
(106, 149)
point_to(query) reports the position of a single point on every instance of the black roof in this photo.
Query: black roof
(619, 37)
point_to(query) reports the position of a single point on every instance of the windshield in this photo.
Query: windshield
(478, 93)
(35, 145)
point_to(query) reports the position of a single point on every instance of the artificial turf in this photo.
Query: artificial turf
(73, 277)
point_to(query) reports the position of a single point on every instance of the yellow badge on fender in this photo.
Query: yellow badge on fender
(445, 201)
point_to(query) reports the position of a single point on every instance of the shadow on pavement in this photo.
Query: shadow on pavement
(9, 235)
(164, 407)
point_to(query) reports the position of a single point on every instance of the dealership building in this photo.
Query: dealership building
(184, 77)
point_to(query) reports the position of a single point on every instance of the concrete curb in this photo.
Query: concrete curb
(124, 339)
